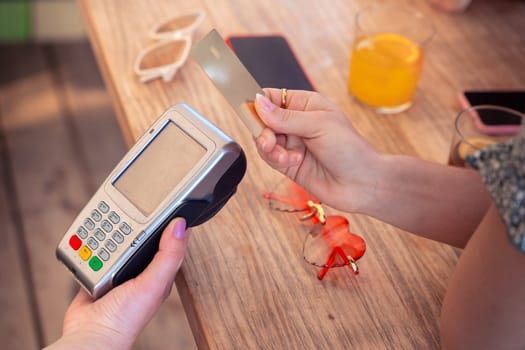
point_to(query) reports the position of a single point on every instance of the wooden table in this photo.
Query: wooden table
(244, 283)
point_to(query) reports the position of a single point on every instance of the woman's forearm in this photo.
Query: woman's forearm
(440, 202)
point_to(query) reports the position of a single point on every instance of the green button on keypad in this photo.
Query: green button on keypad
(95, 263)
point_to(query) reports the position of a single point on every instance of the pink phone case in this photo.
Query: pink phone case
(484, 128)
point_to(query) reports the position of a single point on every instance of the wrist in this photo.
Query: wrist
(92, 338)
(369, 190)
(390, 175)
(393, 181)
(359, 190)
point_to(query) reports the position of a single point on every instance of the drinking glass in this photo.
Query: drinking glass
(387, 56)
(471, 135)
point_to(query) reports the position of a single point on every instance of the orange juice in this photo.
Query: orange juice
(384, 70)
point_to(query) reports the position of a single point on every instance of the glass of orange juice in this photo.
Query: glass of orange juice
(387, 56)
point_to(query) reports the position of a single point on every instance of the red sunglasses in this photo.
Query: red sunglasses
(329, 243)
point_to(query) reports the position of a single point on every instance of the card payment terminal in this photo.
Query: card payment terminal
(183, 166)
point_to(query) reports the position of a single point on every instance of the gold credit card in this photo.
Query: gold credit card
(231, 78)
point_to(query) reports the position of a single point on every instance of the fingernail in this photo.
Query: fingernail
(261, 143)
(266, 104)
(179, 230)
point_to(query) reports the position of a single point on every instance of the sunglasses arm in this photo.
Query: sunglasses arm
(166, 73)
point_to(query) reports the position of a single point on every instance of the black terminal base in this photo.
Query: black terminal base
(194, 211)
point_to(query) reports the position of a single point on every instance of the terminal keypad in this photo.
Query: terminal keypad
(99, 235)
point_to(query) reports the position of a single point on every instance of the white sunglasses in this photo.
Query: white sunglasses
(164, 58)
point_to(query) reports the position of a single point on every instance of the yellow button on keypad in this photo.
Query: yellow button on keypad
(84, 253)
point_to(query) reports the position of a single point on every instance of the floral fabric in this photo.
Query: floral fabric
(502, 168)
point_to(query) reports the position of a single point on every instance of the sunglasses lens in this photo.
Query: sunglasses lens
(290, 197)
(163, 55)
(179, 23)
(329, 245)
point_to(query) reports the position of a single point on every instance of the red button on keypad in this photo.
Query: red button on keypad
(75, 242)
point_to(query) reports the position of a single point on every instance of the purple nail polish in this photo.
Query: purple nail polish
(179, 230)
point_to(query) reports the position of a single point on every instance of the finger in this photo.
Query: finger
(279, 150)
(281, 140)
(298, 100)
(81, 298)
(159, 275)
(287, 121)
(134, 303)
(266, 140)
(281, 158)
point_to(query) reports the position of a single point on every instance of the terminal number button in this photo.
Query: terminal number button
(117, 236)
(103, 207)
(114, 218)
(92, 243)
(103, 254)
(106, 225)
(95, 215)
(89, 224)
(99, 234)
(82, 232)
(110, 245)
(124, 227)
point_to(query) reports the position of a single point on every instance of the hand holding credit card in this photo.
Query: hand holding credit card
(231, 78)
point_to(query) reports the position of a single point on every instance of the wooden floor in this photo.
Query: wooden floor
(58, 140)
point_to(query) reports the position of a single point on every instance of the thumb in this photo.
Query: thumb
(131, 305)
(161, 272)
(285, 121)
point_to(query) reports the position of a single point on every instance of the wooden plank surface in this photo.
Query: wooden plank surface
(47, 183)
(244, 283)
(18, 326)
(100, 145)
(61, 139)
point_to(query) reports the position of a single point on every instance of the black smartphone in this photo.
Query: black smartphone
(270, 60)
(496, 123)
